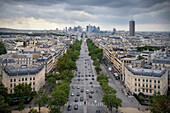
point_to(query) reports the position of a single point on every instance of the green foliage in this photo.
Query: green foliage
(160, 104)
(110, 100)
(96, 63)
(33, 111)
(4, 93)
(51, 82)
(98, 69)
(2, 48)
(108, 89)
(40, 99)
(147, 48)
(140, 57)
(102, 77)
(22, 90)
(21, 105)
(4, 106)
(54, 109)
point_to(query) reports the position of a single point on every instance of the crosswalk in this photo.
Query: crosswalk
(88, 103)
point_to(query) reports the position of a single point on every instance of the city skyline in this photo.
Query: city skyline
(39, 15)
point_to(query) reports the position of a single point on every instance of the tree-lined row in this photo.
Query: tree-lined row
(95, 53)
(109, 98)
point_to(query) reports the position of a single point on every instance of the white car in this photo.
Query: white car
(72, 94)
(95, 101)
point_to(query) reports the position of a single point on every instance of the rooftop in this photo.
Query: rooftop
(13, 71)
(162, 60)
(146, 72)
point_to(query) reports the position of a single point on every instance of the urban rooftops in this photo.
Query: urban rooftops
(13, 71)
(146, 72)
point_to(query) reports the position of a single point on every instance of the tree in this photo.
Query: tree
(102, 77)
(98, 69)
(4, 93)
(40, 99)
(33, 111)
(67, 75)
(160, 104)
(108, 89)
(21, 105)
(110, 100)
(54, 109)
(2, 48)
(4, 106)
(51, 82)
(22, 90)
(58, 98)
(64, 86)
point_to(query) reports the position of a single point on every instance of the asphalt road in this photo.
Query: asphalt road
(83, 78)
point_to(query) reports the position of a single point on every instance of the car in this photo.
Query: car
(91, 91)
(76, 107)
(76, 100)
(92, 75)
(79, 72)
(81, 98)
(78, 87)
(85, 66)
(69, 108)
(82, 75)
(90, 96)
(82, 90)
(86, 75)
(87, 91)
(78, 75)
(95, 101)
(75, 79)
(82, 79)
(89, 75)
(78, 79)
(91, 83)
(86, 78)
(98, 111)
(78, 94)
(92, 78)
(72, 94)
(73, 87)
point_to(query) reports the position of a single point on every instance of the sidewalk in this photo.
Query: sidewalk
(127, 101)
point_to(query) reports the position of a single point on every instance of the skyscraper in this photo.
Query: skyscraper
(132, 28)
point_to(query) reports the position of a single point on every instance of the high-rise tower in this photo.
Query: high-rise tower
(132, 28)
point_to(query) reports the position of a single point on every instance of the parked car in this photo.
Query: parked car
(81, 98)
(78, 94)
(82, 90)
(69, 108)
(90, 96)
(72, 94)
(76, 100)
(98, 111)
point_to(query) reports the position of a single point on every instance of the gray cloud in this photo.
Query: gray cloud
(98, 11)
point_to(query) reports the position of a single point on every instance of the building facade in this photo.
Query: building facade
(132, 28)
(147, 81)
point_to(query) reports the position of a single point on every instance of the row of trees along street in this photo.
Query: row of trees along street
(109, 98)
(96, 54)
(58, 92)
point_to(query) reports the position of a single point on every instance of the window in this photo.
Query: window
(22, 79)
(158, 87)
(11, 80)
(14, 80)
(10, 85)
(14, 84)
(150, 80)
(143, 90)
(143, 80)
(158, 81)
(154, 86)
(138, 79)
(30, 78)
(11, 91)
(143, 85)
(33, 78)
(146, 80)
(25, 79)
(19, 79)
(138, 84)
(146, 85)
(33, 83)
(154, 81)
(150, 91)
(135, 89)
(154, 91)
(30, 83)
(135, 79)
(135, 84)
(33, 88)
(150, 86)
(138, 90)
(146, 90)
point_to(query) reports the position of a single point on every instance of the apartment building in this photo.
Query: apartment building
(147, 81)
(34, 75)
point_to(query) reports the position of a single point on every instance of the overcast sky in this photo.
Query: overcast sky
(149, 15)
